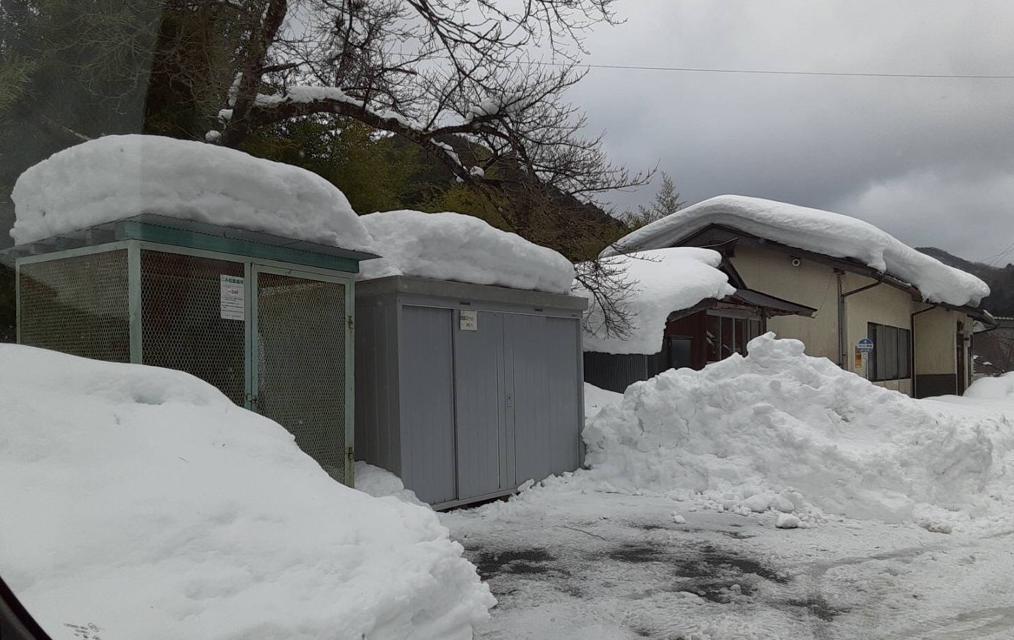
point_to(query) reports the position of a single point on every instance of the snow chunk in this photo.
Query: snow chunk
(118, 177)
(787, 521)
(453, 246)
(746, 430)
(661, 281)
(142, 501)
(823, 232)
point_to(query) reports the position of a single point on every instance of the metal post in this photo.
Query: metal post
(134, 301)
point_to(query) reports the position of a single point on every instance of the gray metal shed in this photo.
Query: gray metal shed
(467, 391)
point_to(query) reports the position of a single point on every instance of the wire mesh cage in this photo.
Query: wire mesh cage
(272, 334)
(182, 325)
(77, 305)
(301, 347)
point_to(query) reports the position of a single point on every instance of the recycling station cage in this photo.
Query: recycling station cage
(265, 319)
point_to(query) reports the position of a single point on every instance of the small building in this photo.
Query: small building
(127, 264)
(867, 289)
(687, 307)
(468, 358)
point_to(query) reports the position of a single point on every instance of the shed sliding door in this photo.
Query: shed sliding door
(484, 445)
(517, 401)
(542, 371)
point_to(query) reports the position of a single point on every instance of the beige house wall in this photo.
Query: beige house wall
(815, 284)
(935, 348)
(882, 304)
(811, 283)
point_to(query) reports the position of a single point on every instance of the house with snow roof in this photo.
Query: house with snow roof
(863, 285)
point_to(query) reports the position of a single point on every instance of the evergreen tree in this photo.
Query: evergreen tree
(667, 201)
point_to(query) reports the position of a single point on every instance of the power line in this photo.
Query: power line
(788, 72)
(763, 72)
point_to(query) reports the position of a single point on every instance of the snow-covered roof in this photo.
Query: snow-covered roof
(117, 177)
(824, 232)
(453, 246)
(661, 281)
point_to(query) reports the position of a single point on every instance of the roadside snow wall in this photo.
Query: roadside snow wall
(117, 177)
(453, 246)
(784, 430)
(142, 501)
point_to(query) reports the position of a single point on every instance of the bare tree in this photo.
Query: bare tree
(489, 73)
(492, 72)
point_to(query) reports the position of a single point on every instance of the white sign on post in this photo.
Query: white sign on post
(468, 321)
(232, 299)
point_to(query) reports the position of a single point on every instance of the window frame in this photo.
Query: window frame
(891, 358)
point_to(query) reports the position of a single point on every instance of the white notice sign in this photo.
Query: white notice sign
(232, 303)
(469, 321)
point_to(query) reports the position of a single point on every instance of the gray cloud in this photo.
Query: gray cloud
(930, 160)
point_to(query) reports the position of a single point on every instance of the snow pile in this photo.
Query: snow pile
(781, 430)
(142, 501)
(118, 177)
(381, 483)
(660, 282)
(996, 388)
(824, 232)
(596, 398)
(452, 246)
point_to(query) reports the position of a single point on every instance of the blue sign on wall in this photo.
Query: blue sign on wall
(865, 345)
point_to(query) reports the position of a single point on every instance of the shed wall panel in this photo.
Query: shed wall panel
(377, 430)
(427, 403)
(544, 373)
(478, 381)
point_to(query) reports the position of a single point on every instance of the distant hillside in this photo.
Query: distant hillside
(1000, 301)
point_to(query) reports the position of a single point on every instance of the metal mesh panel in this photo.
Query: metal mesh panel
(301, 364)
(78, 305)
(182, 323)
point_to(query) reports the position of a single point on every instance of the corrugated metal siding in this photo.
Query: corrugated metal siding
(617, 372)
(427, 403)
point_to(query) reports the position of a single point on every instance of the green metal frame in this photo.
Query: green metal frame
(256, 258)
(167, 236)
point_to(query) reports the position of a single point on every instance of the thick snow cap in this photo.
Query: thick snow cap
(823, 232)
(453, 246)
(143, 502)
(117, 177)
(660, 281)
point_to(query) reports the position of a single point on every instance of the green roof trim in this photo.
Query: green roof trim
(160, 234)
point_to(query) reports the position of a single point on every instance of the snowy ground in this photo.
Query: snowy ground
(577, 559)
(564, 564)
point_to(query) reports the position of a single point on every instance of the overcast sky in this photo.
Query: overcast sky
(929, 160)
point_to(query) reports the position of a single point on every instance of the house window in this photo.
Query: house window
(727, 335)
(892, 353)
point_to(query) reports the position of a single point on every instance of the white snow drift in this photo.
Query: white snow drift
(452, 246)
(116, 177)
(994, 388)
(778, 429)
(143, 502)
(660, 282)
(814, 230)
